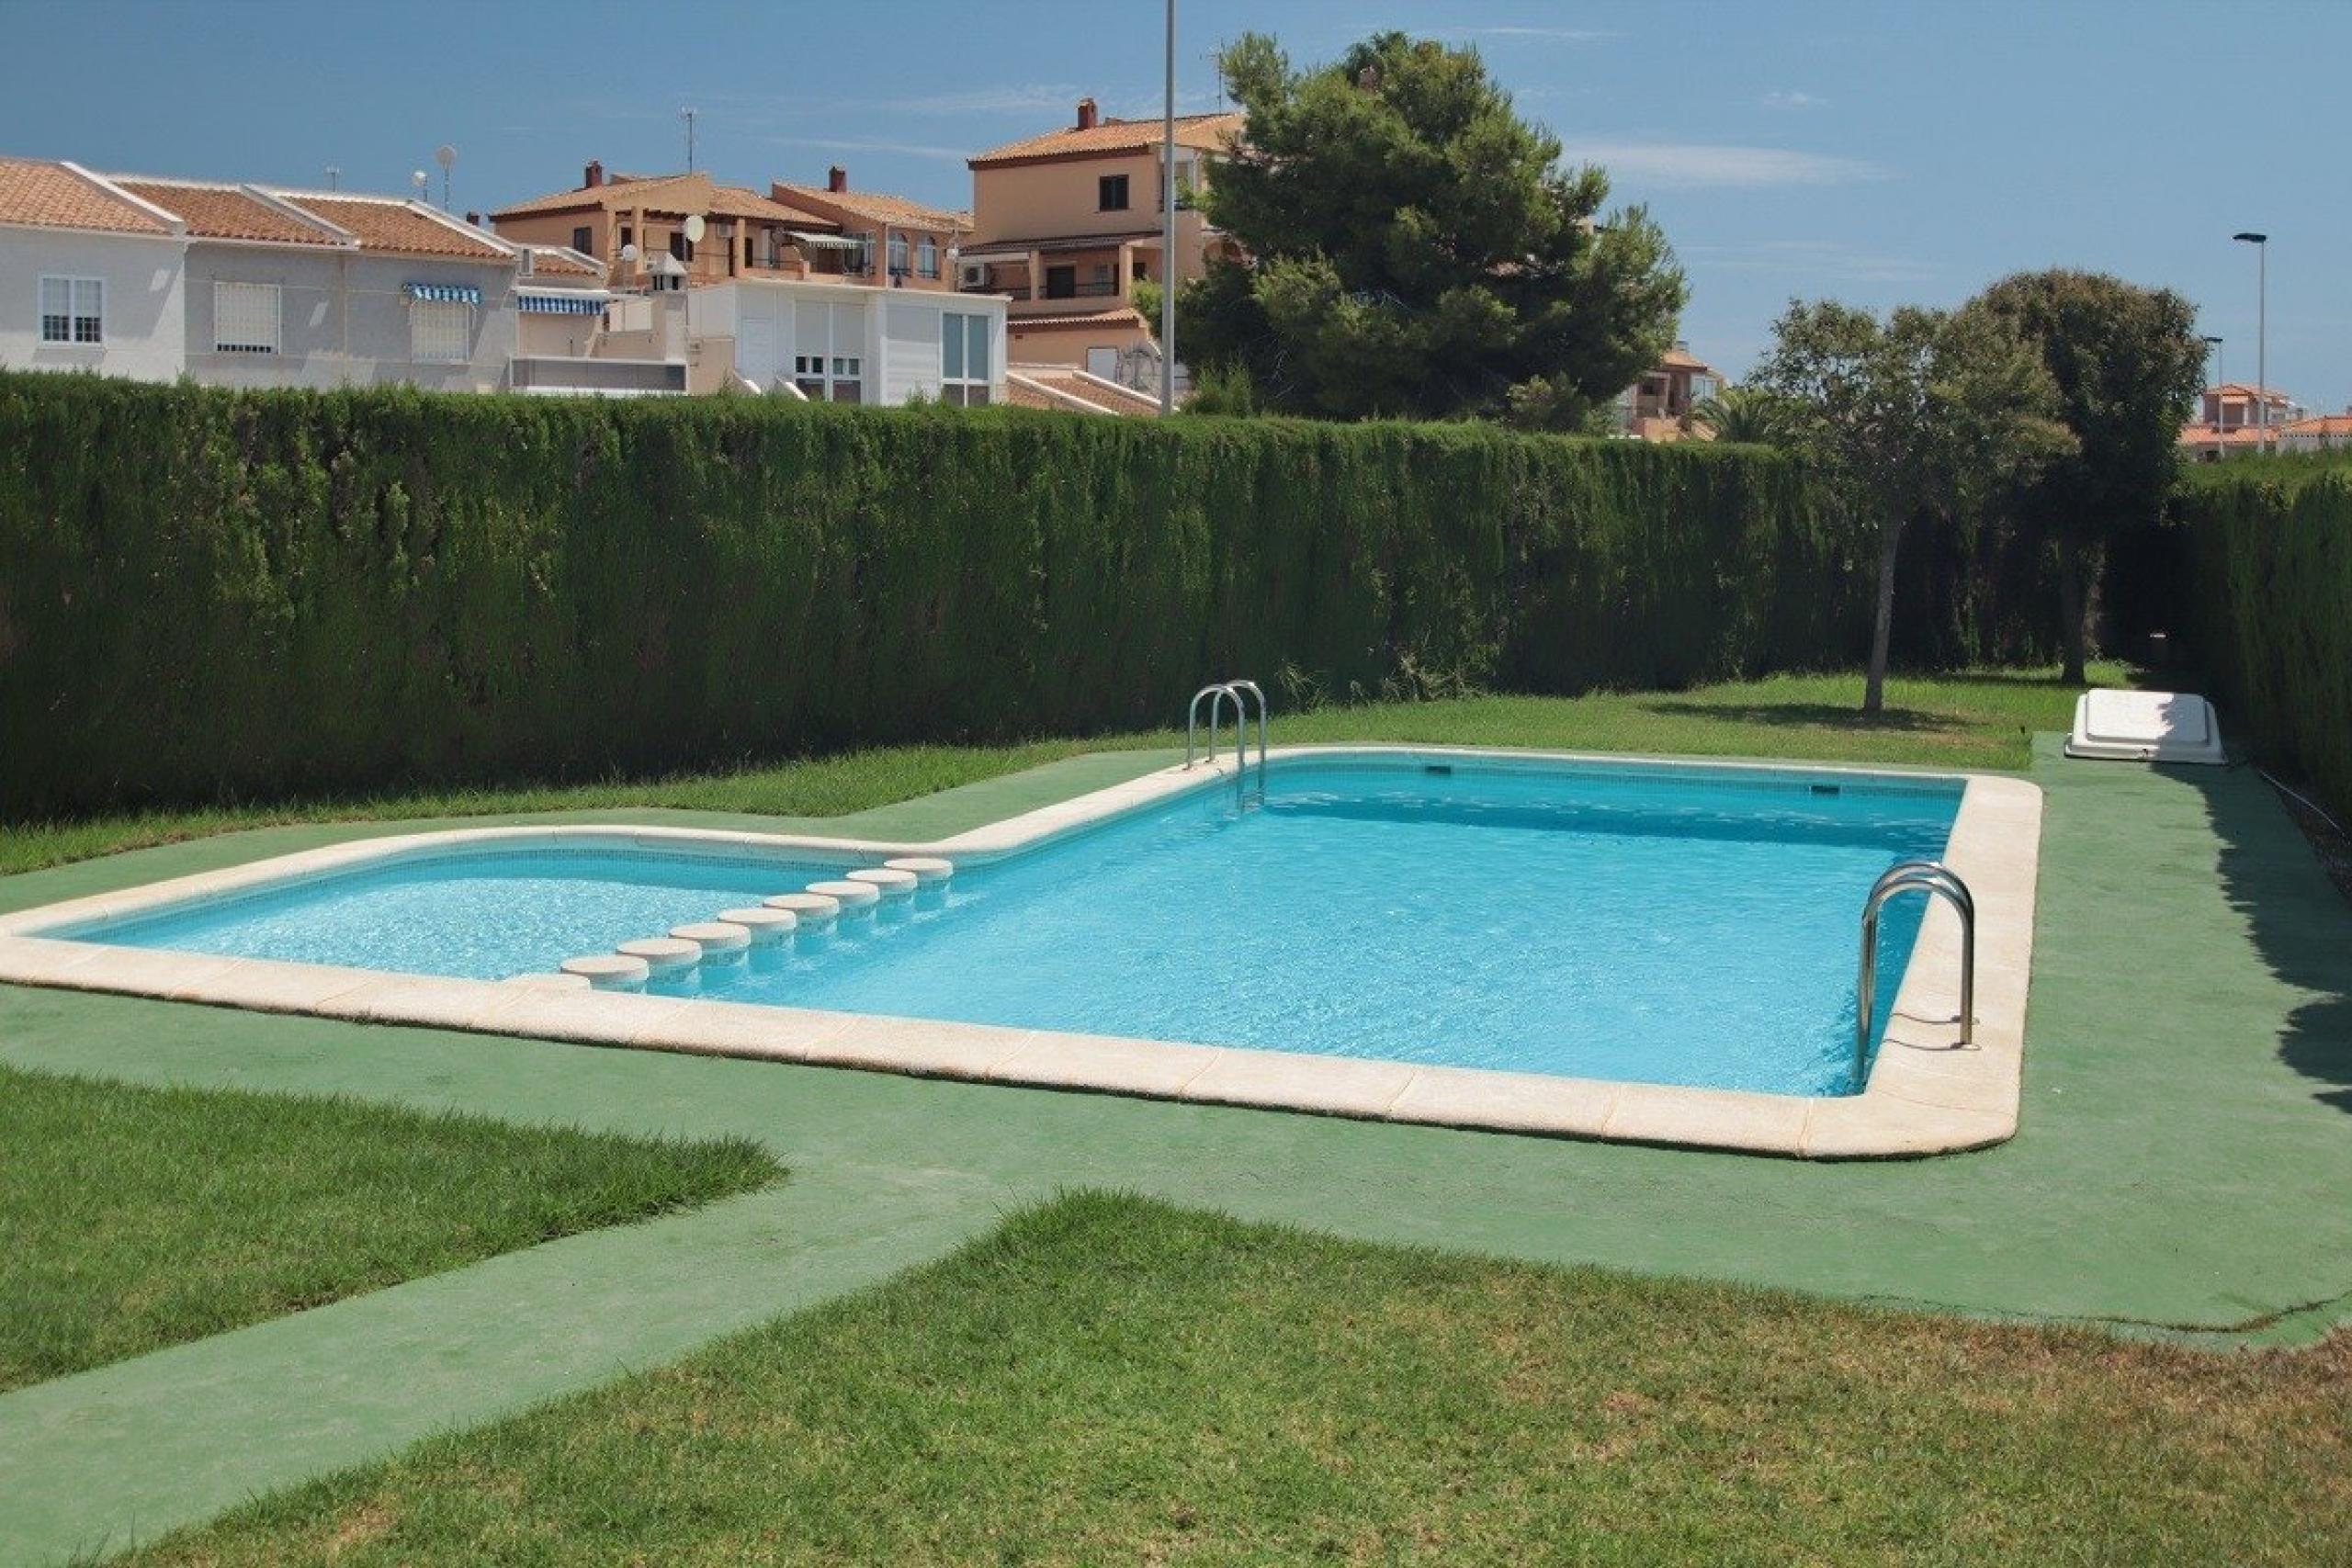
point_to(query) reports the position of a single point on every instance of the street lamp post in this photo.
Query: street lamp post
(2220, 395)
(2261, 243)
(1168, 227)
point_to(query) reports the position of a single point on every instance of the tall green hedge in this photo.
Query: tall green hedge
(2270, 552)
(208, 593)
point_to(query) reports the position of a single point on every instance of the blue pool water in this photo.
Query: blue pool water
(1688, 926)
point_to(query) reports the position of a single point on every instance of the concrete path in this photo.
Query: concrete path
(2185, 1150)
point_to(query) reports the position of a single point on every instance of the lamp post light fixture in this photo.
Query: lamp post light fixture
(2261, 243)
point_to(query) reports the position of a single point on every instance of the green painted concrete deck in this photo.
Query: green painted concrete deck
(2186, 1146)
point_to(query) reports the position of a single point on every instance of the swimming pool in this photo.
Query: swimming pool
(1463, 916)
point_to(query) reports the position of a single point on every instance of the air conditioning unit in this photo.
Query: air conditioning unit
(974, 275)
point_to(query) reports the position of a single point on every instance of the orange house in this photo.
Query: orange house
(630, 222)
(1065, 225)
(883, 238)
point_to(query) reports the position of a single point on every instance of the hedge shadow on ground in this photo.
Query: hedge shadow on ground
(2299, 921)
(1807, 715)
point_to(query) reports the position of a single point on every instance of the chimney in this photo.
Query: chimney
(837, 178)
(1086, 116)
(594, 176)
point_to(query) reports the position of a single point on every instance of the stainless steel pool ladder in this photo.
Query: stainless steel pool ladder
(1937, 880)
(1217, 694)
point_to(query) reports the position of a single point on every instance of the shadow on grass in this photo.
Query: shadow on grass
(2300, 923)
(1810, 716)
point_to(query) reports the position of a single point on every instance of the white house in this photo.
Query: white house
(840, 343)
(91, 278)
(253, 286)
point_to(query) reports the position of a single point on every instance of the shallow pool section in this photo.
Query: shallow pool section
(1671, 925)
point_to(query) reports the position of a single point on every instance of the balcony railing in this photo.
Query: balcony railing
(564, 373)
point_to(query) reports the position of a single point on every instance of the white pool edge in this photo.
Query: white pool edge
(1925, 1095)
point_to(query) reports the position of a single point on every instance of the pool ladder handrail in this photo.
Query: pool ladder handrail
(1937, 880)
(1217, 694)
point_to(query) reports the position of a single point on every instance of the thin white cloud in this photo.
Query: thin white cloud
(1021, 98)
(1693, 165)
(1793, 100)
(1821, 260)
(855, 144)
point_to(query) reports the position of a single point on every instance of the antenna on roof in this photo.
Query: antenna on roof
(334, 176)
(688, 116)
(447, 156)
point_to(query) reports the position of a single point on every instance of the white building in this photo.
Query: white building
(840, 343)
(91, 278)
(249, 286)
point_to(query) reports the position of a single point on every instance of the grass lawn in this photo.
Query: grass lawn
(1977, 719)
(136, 1217)
(1108, 1380)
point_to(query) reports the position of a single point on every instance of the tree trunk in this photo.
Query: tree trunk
(1883, 623)
(2071, 608)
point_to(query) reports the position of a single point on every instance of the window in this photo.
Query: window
(859, 260)
(583, 239)
(245, 317)
(1111, 193)
(440, 332)
(843, 383)
(1061, 283)
(73, 309)
(628, 235)
(964, 379)
(897, 255)
(680, 246)
(927, 257)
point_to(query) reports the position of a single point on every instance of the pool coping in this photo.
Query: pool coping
(1925, 1095)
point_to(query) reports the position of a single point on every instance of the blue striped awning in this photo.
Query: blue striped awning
(561, 304)
(446, 293)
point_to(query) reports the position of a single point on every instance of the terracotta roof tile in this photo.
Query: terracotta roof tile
(874, 207)
(1122, 315)
(694, 193)
(1026, 397)
(1109, 395)
(45, 195)
(562, 262)
(386, 223)
(226, 212)
(1210, 132)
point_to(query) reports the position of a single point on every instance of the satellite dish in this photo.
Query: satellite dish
(694, 227)
(446, 155)
(628, 253)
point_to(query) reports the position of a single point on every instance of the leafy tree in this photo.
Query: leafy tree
(1413, 249)
(2127, 363)
(1743, 413)
(1929, 413)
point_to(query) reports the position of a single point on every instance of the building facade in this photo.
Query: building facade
(90, 276)
(2234, 419)
(1065, 224)
(846, 343)
(714, 233)
(896, 243)
(252, 285)
(1658, 407)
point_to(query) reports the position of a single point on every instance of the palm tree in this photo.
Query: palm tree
(1743, 413)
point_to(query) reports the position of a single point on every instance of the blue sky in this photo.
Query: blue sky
(1877, 154)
